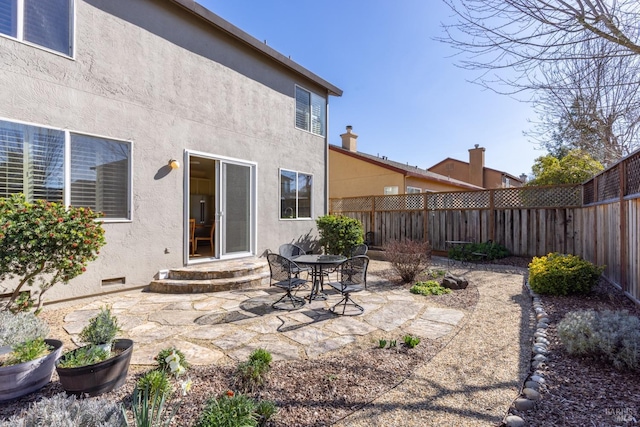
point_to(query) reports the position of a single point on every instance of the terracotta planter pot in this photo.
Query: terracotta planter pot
(93, 380)
(25, 378)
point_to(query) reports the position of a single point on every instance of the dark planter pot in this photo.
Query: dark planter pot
(93, 380)
(25, 378)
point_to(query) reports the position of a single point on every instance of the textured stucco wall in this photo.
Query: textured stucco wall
(151, 73)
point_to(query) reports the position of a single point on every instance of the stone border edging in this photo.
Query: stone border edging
(530, 392)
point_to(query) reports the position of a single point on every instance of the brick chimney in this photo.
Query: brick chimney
(349, 140)
(476, 165)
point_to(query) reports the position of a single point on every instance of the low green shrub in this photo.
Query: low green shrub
(430, 287)
(611, 335)
(102, 328)
(27, 351)
(62, 411)
(466, 252)
(157, 382)
(411, 341)
(408, 258)
(20, 327)
(562, 274)
(252, 373)
(229, 410)
(83, 356)
(338, 234)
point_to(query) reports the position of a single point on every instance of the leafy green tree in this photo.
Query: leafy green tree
(575, 167)
(44, 243)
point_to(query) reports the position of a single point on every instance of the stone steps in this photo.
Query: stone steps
(218, 276)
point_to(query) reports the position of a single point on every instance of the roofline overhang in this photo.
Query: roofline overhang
(245, 38)
(404, 172)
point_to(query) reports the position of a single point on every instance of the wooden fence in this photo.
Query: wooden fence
(598, 220)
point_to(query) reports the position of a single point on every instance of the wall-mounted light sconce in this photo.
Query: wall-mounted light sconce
(174, 164)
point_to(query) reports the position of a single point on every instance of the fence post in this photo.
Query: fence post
(624, 256)
(492, 216)
(372, 219)
(425, 236)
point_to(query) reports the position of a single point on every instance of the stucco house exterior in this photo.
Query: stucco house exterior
(475, 172)
(156, 112)
(353, 174)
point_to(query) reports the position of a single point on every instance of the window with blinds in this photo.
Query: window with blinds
(32, 162)
(45, 23)
(310, 111)
(100, 175)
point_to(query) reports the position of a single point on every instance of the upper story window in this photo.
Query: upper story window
(295, 194)
(311, 111)
(506, 182)
(32, 161)
(46, 23)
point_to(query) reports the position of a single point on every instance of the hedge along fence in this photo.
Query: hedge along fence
(598, 220)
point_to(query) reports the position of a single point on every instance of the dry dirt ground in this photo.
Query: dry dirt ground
(319, 392)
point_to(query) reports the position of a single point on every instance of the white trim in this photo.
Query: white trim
(66, 193)
(20, 31)
(253, 225)
(311, 203)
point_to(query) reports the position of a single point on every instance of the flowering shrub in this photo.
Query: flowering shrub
(44, 243)
(560, 274)
(612, 335)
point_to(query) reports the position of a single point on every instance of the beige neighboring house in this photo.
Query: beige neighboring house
(353, 174)
(474, 172)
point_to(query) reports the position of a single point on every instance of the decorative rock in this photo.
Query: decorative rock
(537, 379)
(514, 421)
(532, 385)
(524, 404)
(531, 394)
(544, 320)
(538, 349)
(536, 364)
(453, 282)
(542, 340)
(540, 334)
(542, 325)
(539, 358)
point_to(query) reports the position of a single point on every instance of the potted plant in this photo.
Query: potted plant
(102, 364)
(27, 359)
(101, 330)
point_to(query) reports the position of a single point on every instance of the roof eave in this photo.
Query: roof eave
(235, 32)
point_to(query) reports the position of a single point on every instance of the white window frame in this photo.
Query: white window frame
(323, 117)
(297, 208)
(20, 30)
(391, 190)
(413, 190)
(66, 188)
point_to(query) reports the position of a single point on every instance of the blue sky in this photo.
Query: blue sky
(403, 94)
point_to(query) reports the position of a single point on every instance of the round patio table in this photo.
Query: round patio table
(317, 264)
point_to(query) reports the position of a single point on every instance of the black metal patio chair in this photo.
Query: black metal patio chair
(284, 275)
(353, 278)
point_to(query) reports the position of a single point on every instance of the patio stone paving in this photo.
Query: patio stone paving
(227, 326)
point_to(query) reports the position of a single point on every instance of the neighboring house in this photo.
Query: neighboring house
(475, 172)
(353, 174)
(98, 96)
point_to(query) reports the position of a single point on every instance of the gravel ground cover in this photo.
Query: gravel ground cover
(468, 378)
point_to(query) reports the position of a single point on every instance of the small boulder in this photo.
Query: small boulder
(453, 282)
